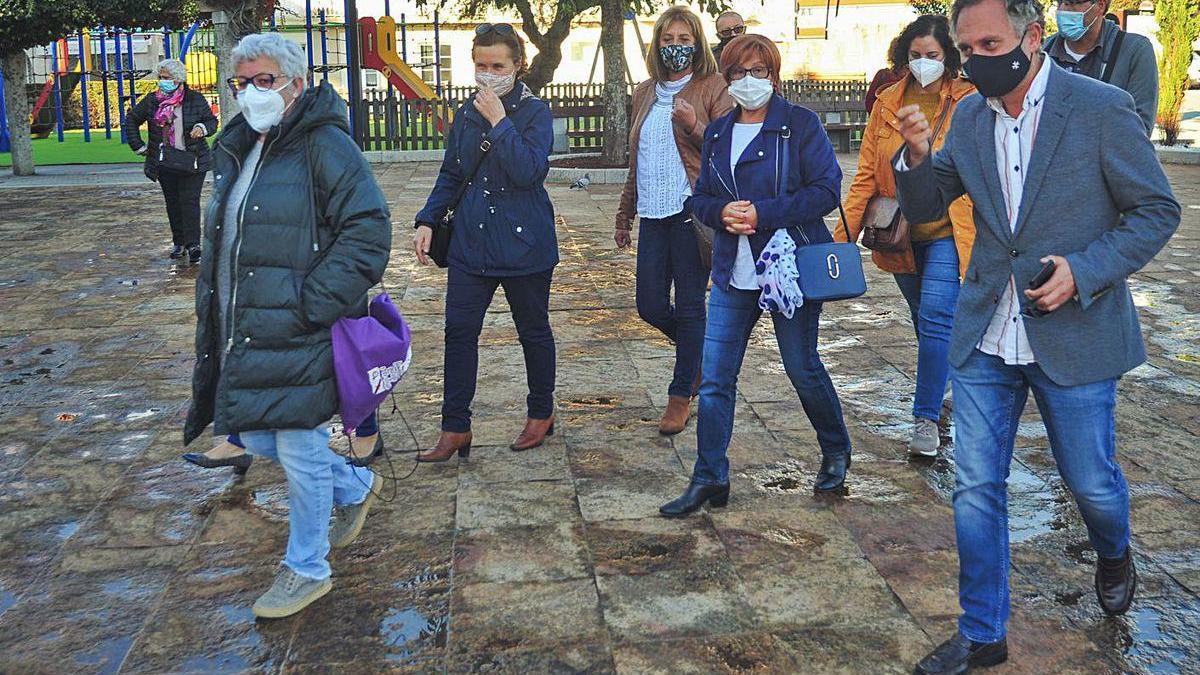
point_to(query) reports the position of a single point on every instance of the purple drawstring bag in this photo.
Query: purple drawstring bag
(370, 355)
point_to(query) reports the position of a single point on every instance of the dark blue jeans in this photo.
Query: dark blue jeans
(732, 314)
(988, 399)
(668, 256)
(932, 294)
(467, 298)
(369, 427)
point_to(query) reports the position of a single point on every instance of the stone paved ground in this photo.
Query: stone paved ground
(115, 555)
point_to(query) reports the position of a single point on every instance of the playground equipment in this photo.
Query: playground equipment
(378, 40)
(76, 81)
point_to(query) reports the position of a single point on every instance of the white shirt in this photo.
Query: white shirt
(743, 264)
(662, 182)
(1071, 52)
(1005, 335)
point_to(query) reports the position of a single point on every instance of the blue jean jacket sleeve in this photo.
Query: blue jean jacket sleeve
(705, 204)
(449, 177)
(1139, 188)
(524, 154)
(820, 180)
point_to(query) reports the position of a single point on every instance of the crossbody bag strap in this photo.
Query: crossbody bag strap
(786, 165)
(1108, 64)
(484, 146)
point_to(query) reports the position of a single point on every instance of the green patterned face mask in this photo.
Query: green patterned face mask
(677, 58)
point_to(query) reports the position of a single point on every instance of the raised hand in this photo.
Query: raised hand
(488, 104)
(915, 131)
(684, 114)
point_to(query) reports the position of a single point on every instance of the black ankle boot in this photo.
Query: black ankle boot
(694, 497)
(832, 476)
(1116, 581)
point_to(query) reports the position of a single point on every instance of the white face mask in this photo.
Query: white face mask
(926, 70)
(501, 84)
(262, 109)
(751, 92)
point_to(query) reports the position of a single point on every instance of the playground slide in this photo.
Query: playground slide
(40, 127)
(378, 40)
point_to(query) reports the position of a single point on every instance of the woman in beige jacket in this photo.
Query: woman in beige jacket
(670, 112)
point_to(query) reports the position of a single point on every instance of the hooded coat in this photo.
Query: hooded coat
(314, 236)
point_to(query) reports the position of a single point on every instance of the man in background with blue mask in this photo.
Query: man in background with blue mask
(1088, 44)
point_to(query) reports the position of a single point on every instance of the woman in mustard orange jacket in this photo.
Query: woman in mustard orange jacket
(928, 272)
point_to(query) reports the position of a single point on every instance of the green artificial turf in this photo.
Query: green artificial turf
(48, 151)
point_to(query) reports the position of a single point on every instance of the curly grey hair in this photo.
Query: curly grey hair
(175, 67)
(1021, 13)
(274, 46)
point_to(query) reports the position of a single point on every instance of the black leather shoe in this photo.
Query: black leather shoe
(832, 476)
(694, 497)
(176, 252)
(1116, 581)
(193, 254)
(240, 463)
(960, 655)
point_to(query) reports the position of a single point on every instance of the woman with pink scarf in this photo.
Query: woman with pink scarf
(178, 119)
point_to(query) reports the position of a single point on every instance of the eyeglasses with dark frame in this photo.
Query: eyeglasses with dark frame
(737, 72)
(262, 82)
(500, 28)
(732, 31)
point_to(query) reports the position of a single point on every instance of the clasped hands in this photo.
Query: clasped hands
(740, 217)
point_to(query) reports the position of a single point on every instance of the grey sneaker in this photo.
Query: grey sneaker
(289, 594)
(348, 520)
(925, 440)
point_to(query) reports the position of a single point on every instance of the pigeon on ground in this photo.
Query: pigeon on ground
(582, 183)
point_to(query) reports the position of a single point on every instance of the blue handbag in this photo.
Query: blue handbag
(832, 271)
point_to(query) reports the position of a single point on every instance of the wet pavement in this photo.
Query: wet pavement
(117, 556)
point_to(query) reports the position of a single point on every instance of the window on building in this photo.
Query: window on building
(428, 65)
(371, 79)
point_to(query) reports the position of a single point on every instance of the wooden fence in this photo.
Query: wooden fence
(388, 122)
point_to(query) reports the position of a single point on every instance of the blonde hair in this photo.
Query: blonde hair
(703, 62)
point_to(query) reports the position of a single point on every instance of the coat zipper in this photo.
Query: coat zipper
(237, 247)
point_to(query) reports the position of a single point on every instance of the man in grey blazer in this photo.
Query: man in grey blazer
(1045, 192)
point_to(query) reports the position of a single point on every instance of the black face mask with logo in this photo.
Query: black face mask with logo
(997, 75)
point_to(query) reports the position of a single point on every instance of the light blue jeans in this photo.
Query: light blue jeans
(988, 399)
(317, 479)
(932, 294)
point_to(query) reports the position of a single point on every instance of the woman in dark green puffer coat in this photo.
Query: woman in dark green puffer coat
(299, 232)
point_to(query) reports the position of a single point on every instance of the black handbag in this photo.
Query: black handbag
(439, 244)
(176, 160)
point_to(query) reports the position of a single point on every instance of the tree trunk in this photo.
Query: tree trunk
(229, 27)
(616, 91)
(549, 44)
(17, 104)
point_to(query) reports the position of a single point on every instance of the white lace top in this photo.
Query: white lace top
(662, 182)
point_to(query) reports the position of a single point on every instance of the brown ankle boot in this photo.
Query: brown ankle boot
(675, 417)
(449, 444)
(534, 434)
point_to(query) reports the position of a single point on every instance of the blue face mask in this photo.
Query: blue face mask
(167, 86)
(1071, 25)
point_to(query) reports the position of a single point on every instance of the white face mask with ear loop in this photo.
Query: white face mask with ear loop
(926, 71)
(751, 92)
(263, 109)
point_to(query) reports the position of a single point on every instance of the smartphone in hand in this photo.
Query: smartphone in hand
(1032, 310)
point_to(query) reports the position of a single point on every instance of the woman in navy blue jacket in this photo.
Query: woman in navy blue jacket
(503, 236)
(743, 193)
